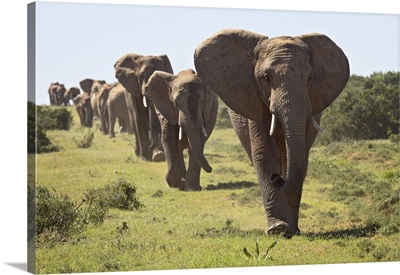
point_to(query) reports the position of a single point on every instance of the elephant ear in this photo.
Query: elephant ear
(86, 85)
(157, 90)
(225, 62)
(167, 64)
(330, 70)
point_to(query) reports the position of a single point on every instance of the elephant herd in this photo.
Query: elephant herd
(275, 90)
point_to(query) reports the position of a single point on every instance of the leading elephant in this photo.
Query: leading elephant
(285, 82)
(133, 72)
(187, 110)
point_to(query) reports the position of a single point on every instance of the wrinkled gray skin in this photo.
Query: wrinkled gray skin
(70, 94)
(133, 71)
(112, 105)
(292, 78)
(92, 88)
(84, 109)
(183, 101)
(56, 93)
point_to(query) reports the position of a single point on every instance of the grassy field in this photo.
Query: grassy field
(340, 219)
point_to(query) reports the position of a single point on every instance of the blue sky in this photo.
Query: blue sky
(77, 41)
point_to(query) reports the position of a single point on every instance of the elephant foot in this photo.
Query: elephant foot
(195, 188)
(281, 228)
(158, 156)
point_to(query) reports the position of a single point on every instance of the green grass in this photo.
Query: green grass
(184, 230)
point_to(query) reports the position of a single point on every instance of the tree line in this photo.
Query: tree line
(368, 108)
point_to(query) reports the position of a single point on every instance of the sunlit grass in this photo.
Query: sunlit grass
(176, 229)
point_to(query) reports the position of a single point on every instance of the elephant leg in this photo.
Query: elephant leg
(111, 123)
(176, 171)
(130, 108)
(266, 160)
(141, 120)
(155, 135)
(80, 116)
(241, 127)
(192, 182)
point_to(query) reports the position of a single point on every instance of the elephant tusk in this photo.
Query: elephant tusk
(144, 102)
(273, 124)
(180, 133)
(203, 130)
(316, 125)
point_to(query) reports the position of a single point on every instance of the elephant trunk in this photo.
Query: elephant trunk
(196, 138)
(294, 127)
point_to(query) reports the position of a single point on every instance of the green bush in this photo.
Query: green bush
(86, 140)
(58, 217)
(54, 118)
(56, 213)
(38, 142)
(368, 108)
(119, 194)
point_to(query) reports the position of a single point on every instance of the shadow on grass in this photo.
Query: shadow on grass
(231, 185)
(344, 234)
(229, 230)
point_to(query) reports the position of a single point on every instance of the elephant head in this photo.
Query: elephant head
(91, 86)
(285, 82)
(133, 71)
(57, 93)
(71, 93)
(187, 110)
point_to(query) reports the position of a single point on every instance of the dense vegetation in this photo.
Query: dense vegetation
(368, 108)
(41, 119)
(119, 214)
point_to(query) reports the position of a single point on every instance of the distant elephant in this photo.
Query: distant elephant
(112, 106)
(56, 93)
(84, 109)
(285, 82)
(92, 87)
(133, 71)
(187, 110)
(70, 94)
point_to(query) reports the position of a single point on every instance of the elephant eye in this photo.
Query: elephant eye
(309, 78)
(267, 78)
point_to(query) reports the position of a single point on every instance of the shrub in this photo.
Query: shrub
(38, 142)
(86, 140)
(54, 118)
(119, 194)
(56, 213)
(368, 108)
(58, 217)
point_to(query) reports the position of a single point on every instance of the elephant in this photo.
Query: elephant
(187, 110)
(285, 82)
(133, 71)
(92, 87)
(113, 105)
(56, 93)
(70, 94)
(84, 109)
